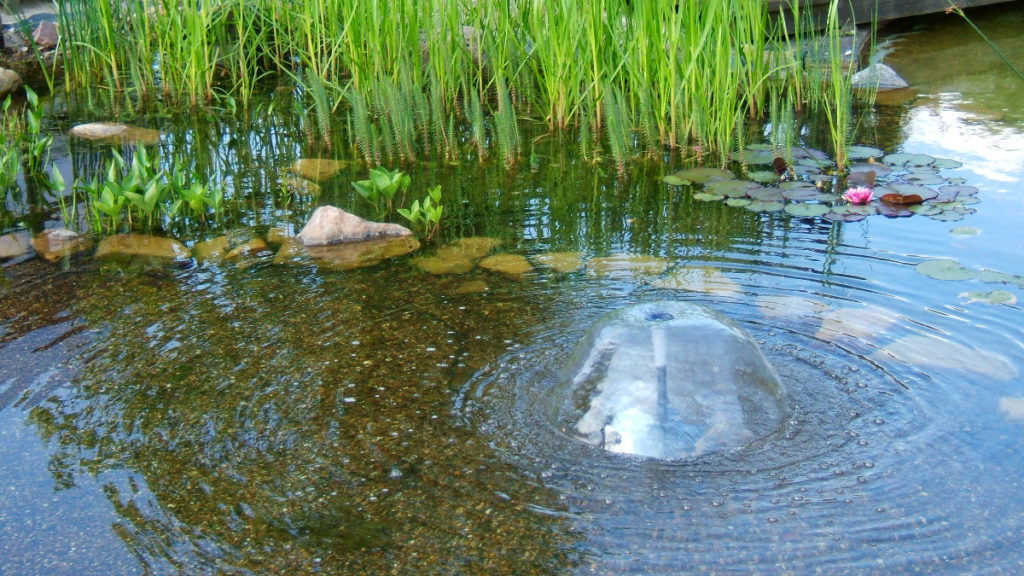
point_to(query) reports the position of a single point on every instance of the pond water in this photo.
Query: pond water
(252, 417)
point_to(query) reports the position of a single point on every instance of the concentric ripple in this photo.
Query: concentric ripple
(867, 473)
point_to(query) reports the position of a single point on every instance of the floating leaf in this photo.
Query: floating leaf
(964, 231)
(880, 170)
(807, 210)
(738, 202)
(958, 190)
(908, 190)
(996, 277)
(674, 180)
(805, 192)
(993, 297)
(754, 154)
(893, 210)
(703, 175)
(901, 199)
(731, 188)
(944, 269)
(946, 163)
(926, 209)
(763, 176)
(765, 205)
(766, 194)
(843, 217)
(863, 152)
(898, 160)
(930, 179)
(707, 197)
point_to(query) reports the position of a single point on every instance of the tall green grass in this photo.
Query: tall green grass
(424, 78)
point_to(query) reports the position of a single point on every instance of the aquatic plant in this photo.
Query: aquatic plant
(382, 188)
(431, 76)
(425, 218)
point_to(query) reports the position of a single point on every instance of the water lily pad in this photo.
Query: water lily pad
(626, 266)
(730, 188)
(993, 297)
(996, 277)
(929, 179)
(674, 180)
(843, 217)
(894, 210)
(802, 210)
(763, 176)
(964, 231)
(707, 197)
(900, 159)
(738, 202)
(699, 279)
(863, 168)
(926, 209)
(563, 262)
(756, 154)
(766, 194)
(943, 269)
(905, 189)
(703, 175)
(946, 163)
(512, 265)
(804, 191)
(863, 152)
(957, 191)
(765, 205)
(920, 350)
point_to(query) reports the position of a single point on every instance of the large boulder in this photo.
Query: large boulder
(330, 225)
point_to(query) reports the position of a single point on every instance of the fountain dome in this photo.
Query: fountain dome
(668, 380)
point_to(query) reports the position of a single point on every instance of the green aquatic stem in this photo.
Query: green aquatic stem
(954, 9)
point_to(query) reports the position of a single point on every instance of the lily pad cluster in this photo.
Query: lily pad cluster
(903, 185)
(950, 269)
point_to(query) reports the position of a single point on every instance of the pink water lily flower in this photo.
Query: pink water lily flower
(858, 195)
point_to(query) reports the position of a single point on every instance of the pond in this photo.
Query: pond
(251, 417)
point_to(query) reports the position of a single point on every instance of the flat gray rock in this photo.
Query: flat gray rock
(879, 76)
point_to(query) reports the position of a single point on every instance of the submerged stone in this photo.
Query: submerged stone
(54, 244)
(668, 380)
(113, 132)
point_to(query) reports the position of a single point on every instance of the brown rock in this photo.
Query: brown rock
(141, 245)
(56, 243)
(9, 82)
(45, 35)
